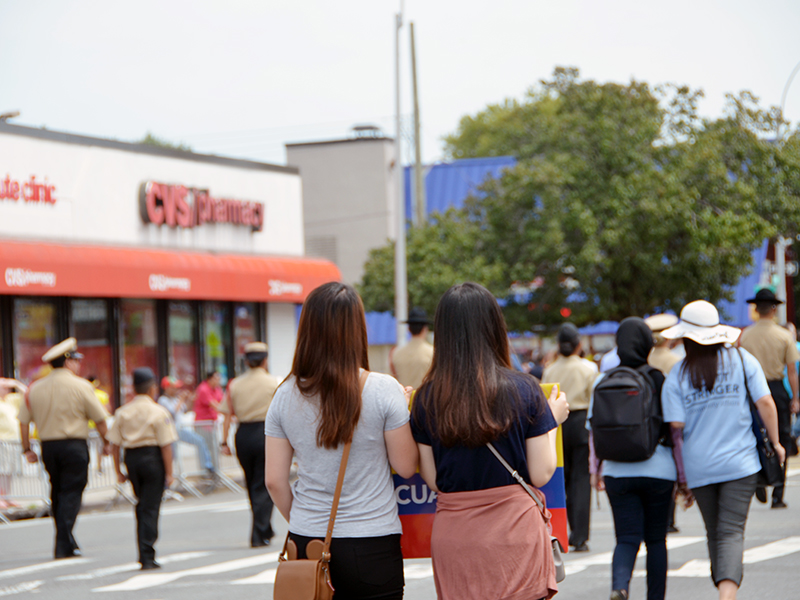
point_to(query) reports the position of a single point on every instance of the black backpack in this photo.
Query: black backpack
(626, 416)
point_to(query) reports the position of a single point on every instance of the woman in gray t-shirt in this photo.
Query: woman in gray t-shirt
(314, 413)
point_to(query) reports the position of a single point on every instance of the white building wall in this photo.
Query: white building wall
(281, 337)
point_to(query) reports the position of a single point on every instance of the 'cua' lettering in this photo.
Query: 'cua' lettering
(406, 494)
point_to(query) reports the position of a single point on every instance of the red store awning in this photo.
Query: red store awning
(44, 269)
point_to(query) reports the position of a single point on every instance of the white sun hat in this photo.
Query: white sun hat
(700, 323)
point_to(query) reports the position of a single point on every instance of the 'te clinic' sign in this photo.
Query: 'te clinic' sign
(179, 206)
(29, 191)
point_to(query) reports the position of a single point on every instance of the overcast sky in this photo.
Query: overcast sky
(243, 77)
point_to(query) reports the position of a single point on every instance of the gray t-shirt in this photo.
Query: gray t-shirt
(367, 506)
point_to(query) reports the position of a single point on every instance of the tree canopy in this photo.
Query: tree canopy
(623, 201)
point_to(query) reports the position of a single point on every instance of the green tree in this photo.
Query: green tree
(152, 140)
(623, 200)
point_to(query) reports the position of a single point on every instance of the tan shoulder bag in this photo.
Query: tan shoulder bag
(310, 578)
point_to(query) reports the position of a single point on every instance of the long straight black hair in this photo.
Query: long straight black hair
(470, 392)
(701, 363)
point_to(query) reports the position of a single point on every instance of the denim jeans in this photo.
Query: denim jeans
(190, 436)
(641, 507)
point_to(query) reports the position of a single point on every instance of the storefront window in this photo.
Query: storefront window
(244, 332)
(2, 362)
(139, 341)
(34, 333)
(182, 353)
(217, 331)
(89, 325)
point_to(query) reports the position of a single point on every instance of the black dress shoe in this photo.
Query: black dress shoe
(779, 504)
(761, 494)
(584, 547)
(146, 566)
(672, 529)
(259, 543)
(69, 554)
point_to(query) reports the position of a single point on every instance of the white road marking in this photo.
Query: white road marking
(418, 571)
(140, 582)
(265, 577)
(792, 473)
(134, 566)
(43, 567)
(702, 567)
(20, 588)
(604, 558)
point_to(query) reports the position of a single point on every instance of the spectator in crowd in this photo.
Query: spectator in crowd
(704, 396)
(575, 377)
(329, 404)
(11, 392)
(207, 399)
(640, 493)
(489, 540)
(174, 398)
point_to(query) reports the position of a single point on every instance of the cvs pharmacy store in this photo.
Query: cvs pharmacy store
(148, 256)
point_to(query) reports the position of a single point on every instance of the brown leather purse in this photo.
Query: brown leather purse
(310, 578)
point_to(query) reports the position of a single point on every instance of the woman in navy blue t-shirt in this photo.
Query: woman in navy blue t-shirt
(489, 539)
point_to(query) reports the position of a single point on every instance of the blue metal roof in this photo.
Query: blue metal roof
(450, 184)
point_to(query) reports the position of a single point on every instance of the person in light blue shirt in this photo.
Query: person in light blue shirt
(640, 493)
(705, 397)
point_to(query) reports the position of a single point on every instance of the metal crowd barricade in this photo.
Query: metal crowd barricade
(102, 475)
(197, 455)
(20, 480)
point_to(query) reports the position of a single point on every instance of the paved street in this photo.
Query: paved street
(205, 556)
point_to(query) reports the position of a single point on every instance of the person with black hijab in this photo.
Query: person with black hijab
(640, 493)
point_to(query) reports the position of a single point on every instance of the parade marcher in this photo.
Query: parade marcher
(248, 399)
(640, 493)
(174, 400)
(411, 362)
(705, 397)
(61, 405)
(661, 356)
(489, 538)
(144, 430)
(575, 379)
(776, 350)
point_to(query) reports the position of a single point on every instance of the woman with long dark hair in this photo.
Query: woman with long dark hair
(705, 397)
(318, 409)
(489, 539)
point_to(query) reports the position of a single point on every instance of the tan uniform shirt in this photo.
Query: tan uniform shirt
(412, 361)
(772, 345)
(663, 359)
(575, 379)
(249, 395)
(61, 405)
(140, 423)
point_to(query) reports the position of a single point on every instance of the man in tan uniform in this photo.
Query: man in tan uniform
(145, 430)
(411, 362)
(61, 405)
(775, 349)
(661, 356)
(575, 378)
(248, 398)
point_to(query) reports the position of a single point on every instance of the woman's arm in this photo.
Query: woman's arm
(769, 415)
(279, 462)
(540, 452)
(427, 466)
(402, 450)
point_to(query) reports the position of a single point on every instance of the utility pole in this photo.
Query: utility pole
(400, 276)
(780, 266)
(419, 186)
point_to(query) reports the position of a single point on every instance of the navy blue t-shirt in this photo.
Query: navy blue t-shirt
(463, 469)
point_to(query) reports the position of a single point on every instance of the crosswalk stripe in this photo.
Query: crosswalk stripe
(412, 571)
(140, 582)
(134, 566)
(20, 588)
(53, 564)
(604, 558)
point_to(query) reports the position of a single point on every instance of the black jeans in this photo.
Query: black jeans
(250, 452)
(641, 507)
(146, 474)
(783, 403)
(368, 568)
(67, 463)
(576, 476)
(724, 507)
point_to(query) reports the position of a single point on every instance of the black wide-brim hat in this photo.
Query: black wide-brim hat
(417, 316)
(765, 295)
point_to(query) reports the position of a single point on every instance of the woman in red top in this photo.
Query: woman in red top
(208, 397)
